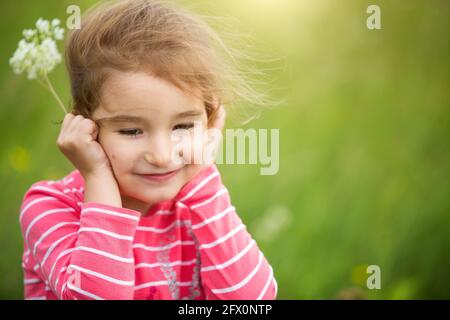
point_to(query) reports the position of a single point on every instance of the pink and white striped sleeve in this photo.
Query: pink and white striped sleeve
(77, 254)
(232, 265)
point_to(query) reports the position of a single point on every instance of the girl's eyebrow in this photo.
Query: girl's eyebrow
(120, 118)
(190, 113)
(127, 118)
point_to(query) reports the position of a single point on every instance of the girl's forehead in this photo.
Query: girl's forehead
(138, 90)
(146, 115)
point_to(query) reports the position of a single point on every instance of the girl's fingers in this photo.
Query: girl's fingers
(74, 124)
(67, 119)
(89, 128)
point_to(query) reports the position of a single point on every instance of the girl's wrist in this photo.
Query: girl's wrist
(98, 173)
(102, 187)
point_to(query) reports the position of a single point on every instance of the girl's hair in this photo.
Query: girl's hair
(157, 37)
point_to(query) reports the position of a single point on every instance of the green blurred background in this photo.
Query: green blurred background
(364, 152)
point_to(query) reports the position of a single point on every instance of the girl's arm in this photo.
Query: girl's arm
(77, 255)
(232, 265)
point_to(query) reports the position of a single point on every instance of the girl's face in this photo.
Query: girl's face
(137, 117)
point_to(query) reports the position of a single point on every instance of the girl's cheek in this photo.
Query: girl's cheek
(198, 148)
(211, 145)
(191, 150)
(113, 159)
(184, 153)
(190, 147)
(115, 155)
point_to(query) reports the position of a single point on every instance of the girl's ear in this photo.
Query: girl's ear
(213, 110)
(218, 122)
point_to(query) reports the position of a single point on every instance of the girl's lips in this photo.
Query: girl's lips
(160, 176)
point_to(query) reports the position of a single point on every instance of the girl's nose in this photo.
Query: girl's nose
(159, 153)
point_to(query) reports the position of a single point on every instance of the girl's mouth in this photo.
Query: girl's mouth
(160, 176)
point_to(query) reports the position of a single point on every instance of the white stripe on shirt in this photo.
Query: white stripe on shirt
(59, 225)
(83, 292)
(34, 202)
(161, 283)
(37, 298)
(43, 215)
(32, 281)
(171, 264)
(53, 246)
(217, 194)
(200, 185)
(213, 218)
(243, 282)
(62, 254)
(102, 276)
(269, 280)
(168, 228)
(231, 261)
(112, 213)
(224, 238)
(106, 232)
(160, 248)
(106, 254)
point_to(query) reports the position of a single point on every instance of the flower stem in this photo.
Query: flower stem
(52, 90)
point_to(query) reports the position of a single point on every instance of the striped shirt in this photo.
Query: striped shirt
(194, 246)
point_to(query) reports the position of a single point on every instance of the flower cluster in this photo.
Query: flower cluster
(37, 54)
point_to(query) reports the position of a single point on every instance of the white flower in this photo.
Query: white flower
(59, 33)
(43, 26)
(55, 22)
(37, 54)
(29, 34)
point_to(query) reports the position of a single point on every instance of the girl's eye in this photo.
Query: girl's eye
(129, 132)
(184, 126)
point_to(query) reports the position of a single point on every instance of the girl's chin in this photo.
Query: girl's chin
(143, 203)
(155, 197)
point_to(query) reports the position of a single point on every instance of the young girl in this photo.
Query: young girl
(129, 222)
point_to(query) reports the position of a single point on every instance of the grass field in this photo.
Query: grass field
(364, 152)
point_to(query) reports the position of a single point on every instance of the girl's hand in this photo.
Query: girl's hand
(77, 140)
